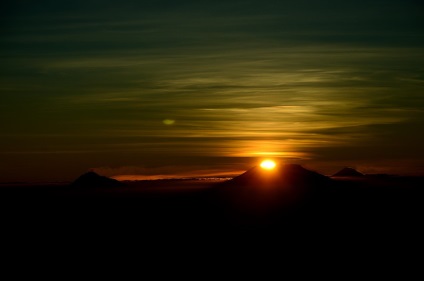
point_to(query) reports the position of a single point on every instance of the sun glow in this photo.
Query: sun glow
(268, 164)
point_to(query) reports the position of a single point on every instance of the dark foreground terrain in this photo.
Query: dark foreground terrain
(345, 213)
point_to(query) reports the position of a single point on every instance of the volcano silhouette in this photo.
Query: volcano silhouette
(260, 190)
(282, 175)
(348, 172)
(91, 179)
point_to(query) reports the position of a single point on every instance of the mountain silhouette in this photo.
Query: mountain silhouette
(260, 191)
(91, 179)
(348, 172)
(282, 175)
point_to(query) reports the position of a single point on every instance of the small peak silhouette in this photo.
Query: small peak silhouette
(92, 179)
(348, 172)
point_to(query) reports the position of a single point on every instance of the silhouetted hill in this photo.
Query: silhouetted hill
(348, 172)
(282, 175)
(91, 179)
(262, 191)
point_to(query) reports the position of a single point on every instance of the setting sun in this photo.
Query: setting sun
(268, 164)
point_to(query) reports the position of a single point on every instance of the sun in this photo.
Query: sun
(268, 164)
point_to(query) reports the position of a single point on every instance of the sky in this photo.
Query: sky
(189, 88)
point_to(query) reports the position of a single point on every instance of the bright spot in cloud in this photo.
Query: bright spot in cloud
(268, 164)
(168, 121)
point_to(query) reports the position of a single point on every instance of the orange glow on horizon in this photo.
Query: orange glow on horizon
(268, 164)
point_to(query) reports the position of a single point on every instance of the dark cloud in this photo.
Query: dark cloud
(240, 79)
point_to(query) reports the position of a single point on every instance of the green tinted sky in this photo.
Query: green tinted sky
(196, 87)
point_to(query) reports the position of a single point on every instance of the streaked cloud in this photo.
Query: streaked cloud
(187, 79)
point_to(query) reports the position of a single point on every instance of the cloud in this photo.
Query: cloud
(292, 79)
(187, 171)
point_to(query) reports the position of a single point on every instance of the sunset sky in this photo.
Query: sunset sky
(188, 88)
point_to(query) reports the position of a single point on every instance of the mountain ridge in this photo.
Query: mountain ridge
(92, 179)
